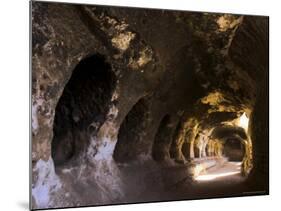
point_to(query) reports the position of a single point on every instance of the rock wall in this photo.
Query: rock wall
(118, 92)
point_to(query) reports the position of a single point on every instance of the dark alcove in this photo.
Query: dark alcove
(85, 100)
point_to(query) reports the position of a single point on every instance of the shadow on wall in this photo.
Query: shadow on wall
(129, 144)
(162, 141)
(85, 99)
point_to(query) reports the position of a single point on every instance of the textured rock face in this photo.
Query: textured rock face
(117, 92)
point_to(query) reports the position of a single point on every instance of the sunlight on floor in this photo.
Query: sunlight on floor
(214, 176)
(223, 172)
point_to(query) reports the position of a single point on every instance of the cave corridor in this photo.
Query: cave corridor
(129, 110)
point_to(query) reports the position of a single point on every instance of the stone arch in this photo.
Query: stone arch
(234, 140)
(132, 130)
(163, 139)
(234, 149)
(85, 100)
(182, 148)
(177, 142)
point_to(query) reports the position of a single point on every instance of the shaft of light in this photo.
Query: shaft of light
(244, 121)
(215, 176)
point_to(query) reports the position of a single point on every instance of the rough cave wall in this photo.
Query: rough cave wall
(180, 73)
(254, 35)
(132, 132)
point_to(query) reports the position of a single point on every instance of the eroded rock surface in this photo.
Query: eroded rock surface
(124, 99)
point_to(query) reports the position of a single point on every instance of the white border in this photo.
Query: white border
(14, 88)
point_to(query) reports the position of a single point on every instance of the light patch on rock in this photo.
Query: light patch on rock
(227, 109)
(118, 26)
(116, 30)
(109, 20)
(122, 40)
(218, 102)
(115, 25)
(105, 150)
(213, 99)
(34, 119)
(235, 23)
(227, 22)
(222, 108)
(102, 145)
(114, 96)
(34, 116)
(145, 56)
(67, 170)
(47, 183)
(113, 112)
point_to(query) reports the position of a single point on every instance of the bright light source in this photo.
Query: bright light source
(237, 163)
(232, 169)
(197, 170)
(243, 121)
(215, 176)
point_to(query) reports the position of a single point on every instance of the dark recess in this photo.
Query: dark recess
(85, 100)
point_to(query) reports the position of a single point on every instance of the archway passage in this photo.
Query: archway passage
(234, 149)
(130, 142)
(163, 139)
(178, 140)
(233, 140)
(85, 100)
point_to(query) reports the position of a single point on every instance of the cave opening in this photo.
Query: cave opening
(162, 140)
(85, 100)
(222, 148)
(178, 141)
(233, 140)
(234, 149)
(130, 137)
